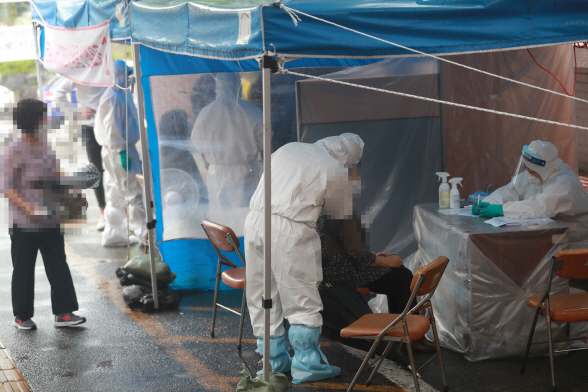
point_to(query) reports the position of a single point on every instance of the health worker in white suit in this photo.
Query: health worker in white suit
(117, 131)
(542, 186)
(306, 179)
(229, 134)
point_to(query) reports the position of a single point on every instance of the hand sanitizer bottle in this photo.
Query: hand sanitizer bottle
(444, 199)
(454, 203)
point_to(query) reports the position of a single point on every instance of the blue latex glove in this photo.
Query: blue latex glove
(123, 160)
(476, 208)
(491, 211)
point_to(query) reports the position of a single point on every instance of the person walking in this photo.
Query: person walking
(31, 171)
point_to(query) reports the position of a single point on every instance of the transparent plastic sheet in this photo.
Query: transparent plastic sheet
(210, 148)
(483, 148)
(403, 143)
(189, 148)
(481, 302)
(186, 158)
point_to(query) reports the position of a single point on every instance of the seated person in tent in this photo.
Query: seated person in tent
(346, 263)
(542, 186)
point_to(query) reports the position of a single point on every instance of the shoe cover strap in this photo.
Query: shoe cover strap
(318, 348)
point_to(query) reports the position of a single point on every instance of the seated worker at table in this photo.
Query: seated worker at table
(542, 185)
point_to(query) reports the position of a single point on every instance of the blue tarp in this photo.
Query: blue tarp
(238, 29)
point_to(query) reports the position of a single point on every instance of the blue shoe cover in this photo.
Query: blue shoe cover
(306, 364)
(280, 360)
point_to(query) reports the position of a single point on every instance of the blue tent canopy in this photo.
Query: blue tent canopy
(242, 29)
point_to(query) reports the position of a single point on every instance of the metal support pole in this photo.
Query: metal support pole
(267, 184)
(147, 178)
(38, 63)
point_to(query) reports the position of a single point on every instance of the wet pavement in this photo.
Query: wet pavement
(122, 350)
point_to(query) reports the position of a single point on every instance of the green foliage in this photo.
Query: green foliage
(17, 67)
(118, 51)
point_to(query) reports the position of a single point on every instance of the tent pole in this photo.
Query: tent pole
(267, 152)
(147, 179)
(38, 63)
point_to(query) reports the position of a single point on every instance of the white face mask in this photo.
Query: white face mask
(355, 186)
(534, 180)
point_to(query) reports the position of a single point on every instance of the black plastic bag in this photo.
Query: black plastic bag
(140, 298)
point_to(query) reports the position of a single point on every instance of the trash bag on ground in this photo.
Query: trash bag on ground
(127, 279)
(277, 382)
(140, 266)
(140, 298)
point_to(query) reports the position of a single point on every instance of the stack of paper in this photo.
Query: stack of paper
(502, 221)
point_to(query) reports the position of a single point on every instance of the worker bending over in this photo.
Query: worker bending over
(306, 179)
(542, 185)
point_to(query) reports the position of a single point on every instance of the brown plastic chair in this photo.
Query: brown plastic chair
(223, 237)
(570, 308)
(405, 327)
(363, 291)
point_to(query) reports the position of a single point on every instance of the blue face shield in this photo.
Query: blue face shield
(527, 160)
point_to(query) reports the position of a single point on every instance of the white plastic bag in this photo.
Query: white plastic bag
(379, 304)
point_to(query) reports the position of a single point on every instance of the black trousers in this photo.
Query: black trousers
(396, 285)
(94, 151)
(24, 248)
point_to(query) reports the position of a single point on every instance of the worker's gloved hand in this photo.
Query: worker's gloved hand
(476, 208)
(126, 164)
(491, 211)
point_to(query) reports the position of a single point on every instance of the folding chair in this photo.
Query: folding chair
(223, 237)
(570, 308)
(405, 327)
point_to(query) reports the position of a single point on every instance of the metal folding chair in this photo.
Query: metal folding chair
(570, 308)
(405, 327)
(223, 237)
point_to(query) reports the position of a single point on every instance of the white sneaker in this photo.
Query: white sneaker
(101, 224)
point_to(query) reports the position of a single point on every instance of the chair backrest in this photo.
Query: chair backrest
(218, 235)
(574, 264)
(432, 273)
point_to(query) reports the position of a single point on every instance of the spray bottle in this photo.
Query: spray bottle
(444, 199)
(454, 203)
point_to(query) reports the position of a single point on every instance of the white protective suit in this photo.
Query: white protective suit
(306, 179)
(559, 194)
(88, 95)
(229, 134)
(113, 128)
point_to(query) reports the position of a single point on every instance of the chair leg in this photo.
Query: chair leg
(241, 322)
(363, 365)
(436, 336)
(548, 319)
(218, 275)
(411, 357)
(537, 311)
(386, 351)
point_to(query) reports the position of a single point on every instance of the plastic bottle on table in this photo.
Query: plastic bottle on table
(454, 194)
(444, 199)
